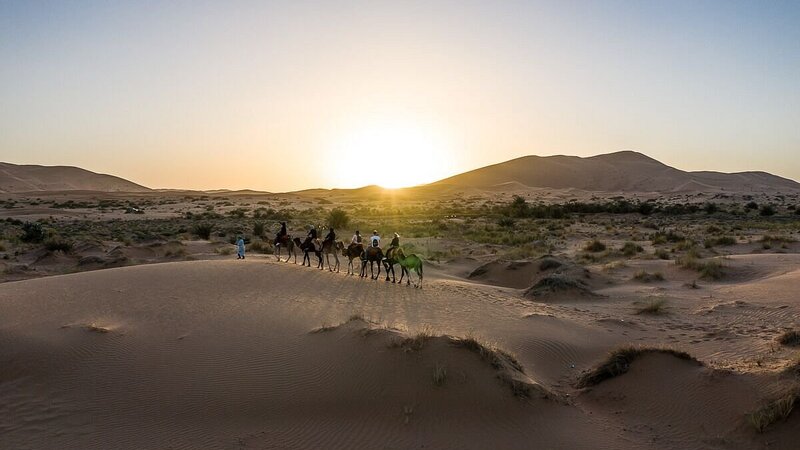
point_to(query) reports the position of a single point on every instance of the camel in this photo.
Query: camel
(286, 241)
(310, 246)
(390, 261)
(409, 263)
(373, 255)
(329, 247)
(352, 252)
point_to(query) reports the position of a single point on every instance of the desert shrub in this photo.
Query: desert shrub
(238, 213)
(710, 208)
(768, 238)
(751, 205)
(726, 240)
(712, 270)
(225, 251)
(661, 253)
(722, 241)
(58, 245)
(774, 411)
(261, 247)
(686, 244)
(631, 248)
(203, 230)
(790, 338)
(338, 218)
(661, 237)
(595, 246)
(654, 306)
(506, 222)
(258, 229)
(708, 269)
(648, 277)
(32, 232)
(767, 210)
(549, 263)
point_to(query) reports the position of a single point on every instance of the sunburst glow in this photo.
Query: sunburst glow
(391, 155)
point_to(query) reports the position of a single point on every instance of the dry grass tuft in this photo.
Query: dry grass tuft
(355, 317)
(549, 263)
(496, 357)
(558, 283)
(709, 269)
(655, 306)
(619, 362)
(647, 277)
(439, 375)
(790, 338)
(595, 246)
(413, 343)
(499, 360)
(774, 411)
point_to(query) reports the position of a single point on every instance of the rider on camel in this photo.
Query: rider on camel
(356, 238)
(330, 237)
(312, 234)
(393, 246)
(281, 234)
(374, 241)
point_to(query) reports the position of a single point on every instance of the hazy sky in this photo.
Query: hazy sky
(289, 95)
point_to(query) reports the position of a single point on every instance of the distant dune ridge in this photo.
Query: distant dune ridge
(32, 178)
(625, 171)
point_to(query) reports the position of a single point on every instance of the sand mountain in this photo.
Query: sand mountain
(624, 171)
(31, 178)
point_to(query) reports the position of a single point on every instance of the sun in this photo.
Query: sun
(391, 154)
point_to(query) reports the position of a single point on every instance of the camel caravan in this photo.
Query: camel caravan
(371, 255)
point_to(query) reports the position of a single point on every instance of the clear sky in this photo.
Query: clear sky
(290, 95)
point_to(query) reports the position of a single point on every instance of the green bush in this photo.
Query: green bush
(506, 222)
(58, 245)
(338, 219)
(258, 229)
(767, 210)
(32, 232)
(631, 248)
(203, 230)
(723, 241)
(595, 246)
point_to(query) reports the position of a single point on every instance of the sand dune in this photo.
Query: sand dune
(624, 171)
(31, 178)
(226, 354)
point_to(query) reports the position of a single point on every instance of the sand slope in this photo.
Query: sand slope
(624, 171)
(220, 355)
(31, 178)
(223, 354)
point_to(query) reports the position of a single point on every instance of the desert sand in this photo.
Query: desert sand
(261, 354)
